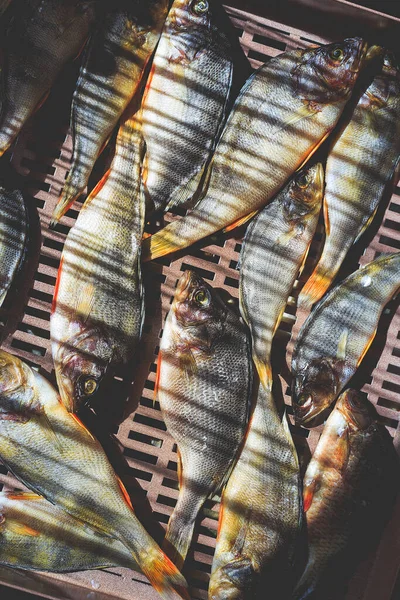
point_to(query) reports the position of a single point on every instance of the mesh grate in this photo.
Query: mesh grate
(149, 451)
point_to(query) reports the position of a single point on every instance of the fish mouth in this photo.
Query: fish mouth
(306, 412)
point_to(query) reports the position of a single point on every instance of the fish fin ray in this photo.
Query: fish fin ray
(81, 424)
(22, 529)
(239, 222)
(186, 193)
(308, 494)
(305, 112)
(314, 288)
(264, 371)
(84, 301)
(188, 365)
(342, 345)
(367, 347)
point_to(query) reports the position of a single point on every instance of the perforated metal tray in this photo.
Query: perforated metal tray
(42, 154)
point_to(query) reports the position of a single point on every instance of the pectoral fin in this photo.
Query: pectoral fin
(21, 529)
(240, 222)
(342, 345)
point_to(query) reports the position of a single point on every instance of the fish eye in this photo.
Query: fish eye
(89, 386)
(337, 54)
(199, 7)
(202, 297)
(302, 181)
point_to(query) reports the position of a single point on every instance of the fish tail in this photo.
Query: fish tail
(316, 286)
(163, 575)
(307, 583)
(178, 538)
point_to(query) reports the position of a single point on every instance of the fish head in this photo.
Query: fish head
(81, 364)
(18, 390)
(327, 74)
(199, 313)
(384, 90)
(355, 411)
(315, 387)
(305, 193)
(233, 581)
(188, 27)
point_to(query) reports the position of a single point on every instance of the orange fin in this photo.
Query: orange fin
(81, 424)
(98, 187)
(367, 347)
(21, 529)
(326, 218)
(164, 575)
(264, 371)
(240, 222)
(308, 494)
(179, 468)
(124, 492)
(57, 286)
(28, 496)
(314, 289)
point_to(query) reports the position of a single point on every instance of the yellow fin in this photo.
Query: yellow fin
(25, 496)
(48, 431)
(188, 364)
(84, 303)
(367, 347)
(326, 217)
(303, 113)
(239, 222)
(367, 224)
(264, 371)
(157, 245)
(342, 344)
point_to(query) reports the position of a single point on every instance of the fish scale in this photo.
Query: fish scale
(274, 248)
(35, 534)
(53, 454)
(204, 401)
(354, 466)
(336, 335)
(185, 103)
(40, 39)
(98, 308)
(110, 75)
(260, 511)
(360, 165)
(283, 113)
(13, 237)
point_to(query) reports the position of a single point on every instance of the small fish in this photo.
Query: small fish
(36, 535)
(204, 398)
(337, 334)
(98, 305)
(51, 452)
(360, 165)
(110, 75)
(261, 512)
(185, 103)
(274, 249)
(352, 470)
(282, 115)
(14, 233)
(42, 36)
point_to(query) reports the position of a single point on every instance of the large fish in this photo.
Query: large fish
(337, 334)
(351, 470)
(261, 512)
(274, 249)
(204, 399)
(98, 306)
(36, 535)
(42, 36)
(284, 112)
(14, 233)
(110, 75)
(185, 103)
(359, 167)
(53, 454)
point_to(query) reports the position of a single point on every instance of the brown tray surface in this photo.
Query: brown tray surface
(42, 153)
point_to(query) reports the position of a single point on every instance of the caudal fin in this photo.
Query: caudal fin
(164, 575)
(178, 539)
